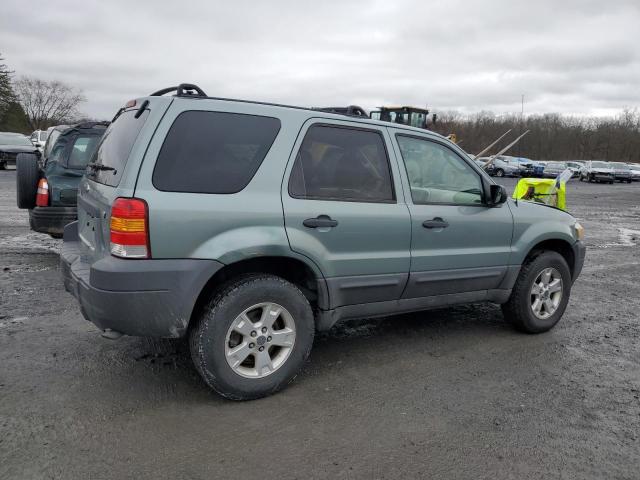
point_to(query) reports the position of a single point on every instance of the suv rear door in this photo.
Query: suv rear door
(344, 210)
(458, 243)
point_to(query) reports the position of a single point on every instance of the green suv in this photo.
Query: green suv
(249, 226)
(48, 186)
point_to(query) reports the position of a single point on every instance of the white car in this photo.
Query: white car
(635, 171)
(597, 171)
(39, 138)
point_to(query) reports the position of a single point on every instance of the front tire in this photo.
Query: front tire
(541, 293)
(499, 173)
(253, 337)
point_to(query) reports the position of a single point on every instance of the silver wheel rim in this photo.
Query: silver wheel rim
(546, 293)
(260, 340)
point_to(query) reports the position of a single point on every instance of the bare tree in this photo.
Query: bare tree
(47, 103)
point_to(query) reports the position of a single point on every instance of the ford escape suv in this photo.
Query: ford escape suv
(249, 226)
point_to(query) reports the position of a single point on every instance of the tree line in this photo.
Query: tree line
(28, 104)
(551, 136)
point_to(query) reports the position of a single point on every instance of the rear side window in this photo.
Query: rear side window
(115, 147)
(338, 163)
(82, 150)
(213, 152)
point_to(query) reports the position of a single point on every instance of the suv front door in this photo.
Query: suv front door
(458, 243)
(344, 210)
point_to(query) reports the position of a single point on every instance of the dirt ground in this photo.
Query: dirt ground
(452, 393)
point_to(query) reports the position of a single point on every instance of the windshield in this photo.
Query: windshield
(14, 140)
(600, 165)
(620, 166)
(555, 165)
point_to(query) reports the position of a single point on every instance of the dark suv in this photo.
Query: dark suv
(248, 226)
(49, 188)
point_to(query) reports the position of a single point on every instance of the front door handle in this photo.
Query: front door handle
(321, 221)
(435, 223)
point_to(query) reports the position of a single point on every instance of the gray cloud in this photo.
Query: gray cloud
(575, 56)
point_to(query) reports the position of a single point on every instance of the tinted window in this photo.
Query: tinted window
(213, 152)
(82, 150)
(437, 175)
(115, 147)
(342, 164)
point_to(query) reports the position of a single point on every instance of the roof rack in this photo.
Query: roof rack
(190, 90)
(182, 90)
(351, 110)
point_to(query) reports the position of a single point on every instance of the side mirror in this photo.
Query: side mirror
(497, 195)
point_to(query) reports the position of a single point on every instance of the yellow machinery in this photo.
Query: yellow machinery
(542, 190)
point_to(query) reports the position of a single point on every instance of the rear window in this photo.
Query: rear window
(82, 150)
(213, 152)
(115, 147)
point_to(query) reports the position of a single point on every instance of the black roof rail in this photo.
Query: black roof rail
(351, 110)
(182, 90)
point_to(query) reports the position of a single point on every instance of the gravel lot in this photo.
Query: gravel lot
(451, 393)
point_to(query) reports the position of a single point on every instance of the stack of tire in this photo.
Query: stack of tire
(27, 177)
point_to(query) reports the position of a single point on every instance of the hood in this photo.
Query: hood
(18, 149)
(528, 207)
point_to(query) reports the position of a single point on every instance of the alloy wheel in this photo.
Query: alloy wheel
(260, 340)
(546, 293)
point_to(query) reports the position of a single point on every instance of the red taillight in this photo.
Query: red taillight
(42, 194)
(130, 228)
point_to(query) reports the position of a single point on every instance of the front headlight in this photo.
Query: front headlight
(579, 229)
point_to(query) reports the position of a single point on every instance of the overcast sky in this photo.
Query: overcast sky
(567, 56)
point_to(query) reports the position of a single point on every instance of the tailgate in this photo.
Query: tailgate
(113, 171)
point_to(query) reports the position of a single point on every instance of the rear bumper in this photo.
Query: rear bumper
(151, 298)
(51, 220)
(579, 252)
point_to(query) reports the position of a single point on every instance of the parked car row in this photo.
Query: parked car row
(609, 172)
(506, 166)
(590, 170)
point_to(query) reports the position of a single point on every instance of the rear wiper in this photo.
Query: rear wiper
(99, 166)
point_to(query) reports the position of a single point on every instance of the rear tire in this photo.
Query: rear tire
(522, 311)
(27, 176)
(222, 330)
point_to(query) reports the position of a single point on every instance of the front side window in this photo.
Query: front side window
(437, 175)
(338, 163)
(213, 152)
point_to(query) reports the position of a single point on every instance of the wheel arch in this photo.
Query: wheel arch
(558, 245)
(301, 273)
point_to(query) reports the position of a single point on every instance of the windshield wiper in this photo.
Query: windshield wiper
(99, 166)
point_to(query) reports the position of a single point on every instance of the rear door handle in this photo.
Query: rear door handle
(435, 223)
(321, 221)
